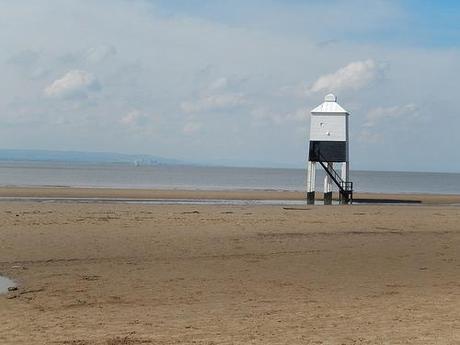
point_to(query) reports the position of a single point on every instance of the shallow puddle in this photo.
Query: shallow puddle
(5, 283)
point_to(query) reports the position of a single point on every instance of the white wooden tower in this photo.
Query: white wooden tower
(328, 145)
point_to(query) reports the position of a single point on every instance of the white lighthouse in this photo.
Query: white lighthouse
(328, 145)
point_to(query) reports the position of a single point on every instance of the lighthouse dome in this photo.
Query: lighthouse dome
(330, 98)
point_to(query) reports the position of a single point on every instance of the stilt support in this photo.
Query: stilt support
(344, 175)
(311, 182)
(328, 187)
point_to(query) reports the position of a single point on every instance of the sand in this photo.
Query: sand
(139, 194)
(137, 274)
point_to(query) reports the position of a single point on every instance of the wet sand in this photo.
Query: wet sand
(138, 274)
(150, 194)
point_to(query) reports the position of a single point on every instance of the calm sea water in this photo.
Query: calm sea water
(5, 283)
(193, 177)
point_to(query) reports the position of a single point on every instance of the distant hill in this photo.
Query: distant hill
(83, 157)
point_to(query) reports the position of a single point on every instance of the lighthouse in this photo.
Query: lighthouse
(329, 147)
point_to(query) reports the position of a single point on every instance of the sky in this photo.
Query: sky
(232, 81)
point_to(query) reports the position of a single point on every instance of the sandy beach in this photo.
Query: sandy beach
(162, 194)
(113, 273)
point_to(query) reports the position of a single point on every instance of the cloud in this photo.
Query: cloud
(354, 76)
(134, 118)
(192, 127)
(396, 116)
(377, 115)
(223, 84)
(262, 114)
(24, 58)
(73, 84)
(369, 137)
(39, 73)
(214, 102)
(220, 94)
(100, 53)
(219, 84)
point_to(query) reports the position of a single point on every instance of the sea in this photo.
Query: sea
(213, 178)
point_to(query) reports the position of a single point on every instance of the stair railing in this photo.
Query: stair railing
(345, 187)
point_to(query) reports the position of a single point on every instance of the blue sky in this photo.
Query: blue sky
(232, 81)
(414, 22)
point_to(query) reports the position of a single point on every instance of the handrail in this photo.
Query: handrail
(335, 177)
(345, 187)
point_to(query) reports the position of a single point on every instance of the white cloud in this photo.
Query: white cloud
(73, 83)
(220, 94)
(376, 115)
(135, 118)
(223, 84)
(100, 53)
(192, 127)
(353, 76)
(370, 137)
(262, 114)
(219, 84)
(223, 101)
(373, 130)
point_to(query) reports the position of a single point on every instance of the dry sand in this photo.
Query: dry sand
(138, 274)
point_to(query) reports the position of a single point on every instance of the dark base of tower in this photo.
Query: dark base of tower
(328, 199)
(346, 199)
(310, 198)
